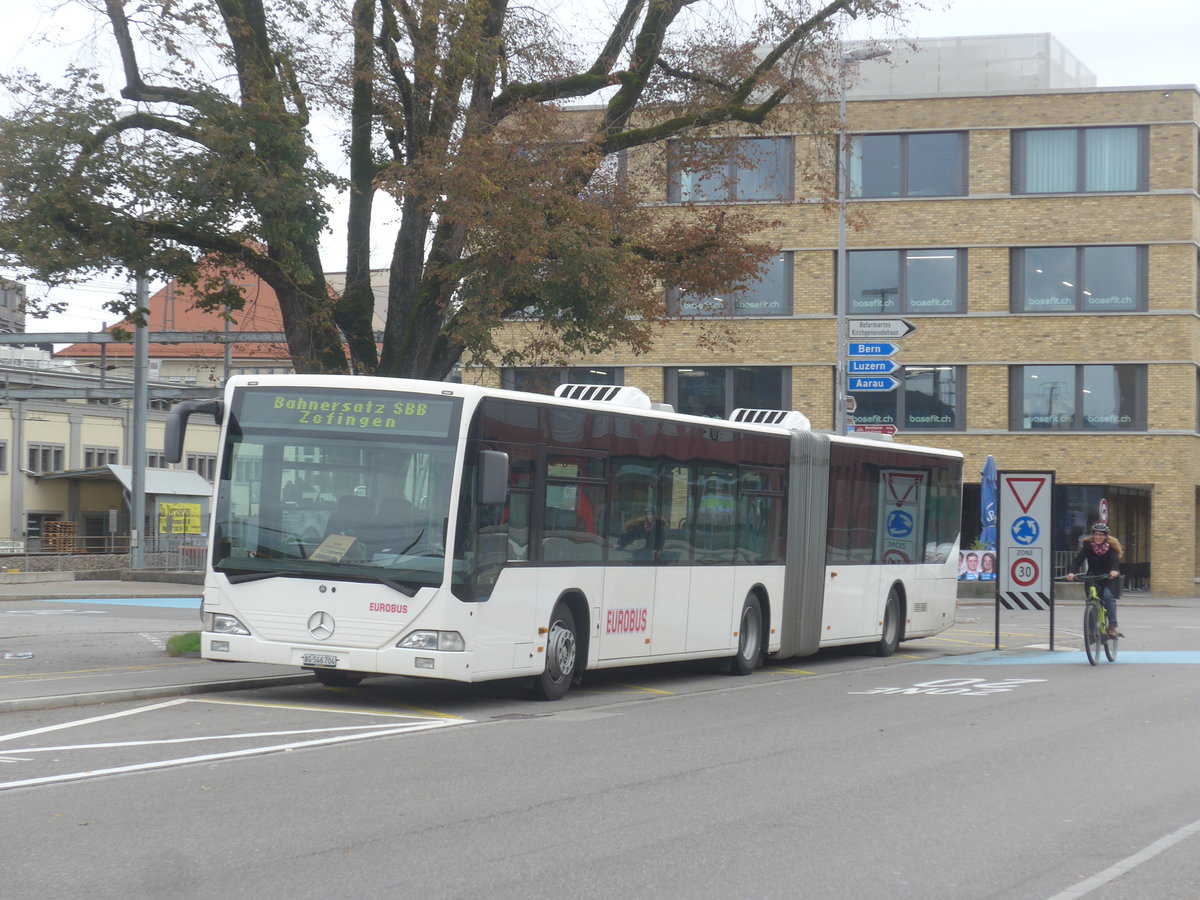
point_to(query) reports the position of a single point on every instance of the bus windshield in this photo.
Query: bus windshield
(336, 484)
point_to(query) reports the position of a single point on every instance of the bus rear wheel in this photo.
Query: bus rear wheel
(750, 638)
(890, 639)
(561, 657)
(337, 678)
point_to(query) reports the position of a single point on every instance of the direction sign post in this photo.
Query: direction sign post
(874, 329)
(1025, 576)
(871, 349)
(865, 363)
(872, 366)
(873, 383)
(873, 428)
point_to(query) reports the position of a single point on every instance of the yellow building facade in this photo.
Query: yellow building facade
(1045, 248)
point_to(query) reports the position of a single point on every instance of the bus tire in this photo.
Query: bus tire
(562, 660)
(890, 639)
(750, 638)
(337, 678)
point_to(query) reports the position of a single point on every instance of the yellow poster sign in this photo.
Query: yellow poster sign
(179, 518)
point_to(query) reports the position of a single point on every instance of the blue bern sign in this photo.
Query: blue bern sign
(872, 349)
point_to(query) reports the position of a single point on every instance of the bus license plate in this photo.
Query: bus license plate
(323, 660)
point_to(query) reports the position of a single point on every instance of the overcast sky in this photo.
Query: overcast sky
(1151, 42)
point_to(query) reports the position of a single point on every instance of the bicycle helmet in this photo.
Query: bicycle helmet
(1101, 527)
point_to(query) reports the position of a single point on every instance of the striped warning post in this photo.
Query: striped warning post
(1025, 600)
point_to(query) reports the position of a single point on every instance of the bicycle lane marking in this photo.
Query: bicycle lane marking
(1129, 863)
(401, 724)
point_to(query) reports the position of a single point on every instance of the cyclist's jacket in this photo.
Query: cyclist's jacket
(1101, 558)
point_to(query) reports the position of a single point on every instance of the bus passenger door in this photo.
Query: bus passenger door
(672, 592)
(852, 607)
(711, 614)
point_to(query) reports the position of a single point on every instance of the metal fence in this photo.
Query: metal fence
(161, 553)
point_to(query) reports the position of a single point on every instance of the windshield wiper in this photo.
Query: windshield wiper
(243, 577)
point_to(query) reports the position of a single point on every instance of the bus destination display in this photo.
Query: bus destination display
(349, 411)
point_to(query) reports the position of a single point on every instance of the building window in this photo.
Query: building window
(1079, 279)
(44, 457)
(1078, 398)
(156, 459)
(1078, 160)
(3, 456)
(738, 171)
(545, 380)
(909, 165)
(94, 457)
(204, 464)
(929, 398)
(905, 281)
(717, 391)
(771, 295)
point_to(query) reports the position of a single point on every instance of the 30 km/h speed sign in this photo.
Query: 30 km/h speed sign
(1025, 572)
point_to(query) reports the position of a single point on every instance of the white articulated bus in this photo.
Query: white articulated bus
(385, 526)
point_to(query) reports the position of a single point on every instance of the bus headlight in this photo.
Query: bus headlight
(222, 624)
(433, 640)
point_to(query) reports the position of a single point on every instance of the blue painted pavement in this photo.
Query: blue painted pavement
(1065, 657)
(169, 602)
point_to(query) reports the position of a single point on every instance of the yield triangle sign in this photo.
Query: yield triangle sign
(1025, 490)
(902, 484)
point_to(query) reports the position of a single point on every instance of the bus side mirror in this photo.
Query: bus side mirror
(176, 427)
(493, 477)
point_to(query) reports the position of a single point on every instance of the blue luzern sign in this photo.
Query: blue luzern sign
(872, 366)
(872, 349)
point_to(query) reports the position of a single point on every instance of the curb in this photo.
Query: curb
(94, 698)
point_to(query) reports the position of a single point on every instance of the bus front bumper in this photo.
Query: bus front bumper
(450, 665)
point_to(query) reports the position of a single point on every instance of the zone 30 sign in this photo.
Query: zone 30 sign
(1023, 539)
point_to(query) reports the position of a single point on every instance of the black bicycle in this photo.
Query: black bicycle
(1095, 620)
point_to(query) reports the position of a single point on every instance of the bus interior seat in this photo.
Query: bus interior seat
(395, 525)
(353, 515)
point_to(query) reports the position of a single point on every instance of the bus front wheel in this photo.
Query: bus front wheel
(890, 639)
(750, 638)
(561, 658)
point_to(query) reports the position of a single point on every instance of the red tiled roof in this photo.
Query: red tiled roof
(173, 309)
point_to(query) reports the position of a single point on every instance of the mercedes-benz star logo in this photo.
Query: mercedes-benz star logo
(321, 625)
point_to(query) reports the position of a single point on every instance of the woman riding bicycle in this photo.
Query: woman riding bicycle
(1103, 554)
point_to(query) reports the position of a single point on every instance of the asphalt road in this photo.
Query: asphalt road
(949, 770)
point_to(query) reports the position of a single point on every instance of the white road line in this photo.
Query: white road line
(206, 737)
(213, 757)
(89, 721)
(1129, 863)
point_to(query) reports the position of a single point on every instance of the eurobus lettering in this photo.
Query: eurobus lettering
(483, 534)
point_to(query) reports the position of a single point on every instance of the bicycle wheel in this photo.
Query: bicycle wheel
(1091, 633)
(1110, 648)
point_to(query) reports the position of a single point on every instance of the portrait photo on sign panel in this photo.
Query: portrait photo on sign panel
(968, 565)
